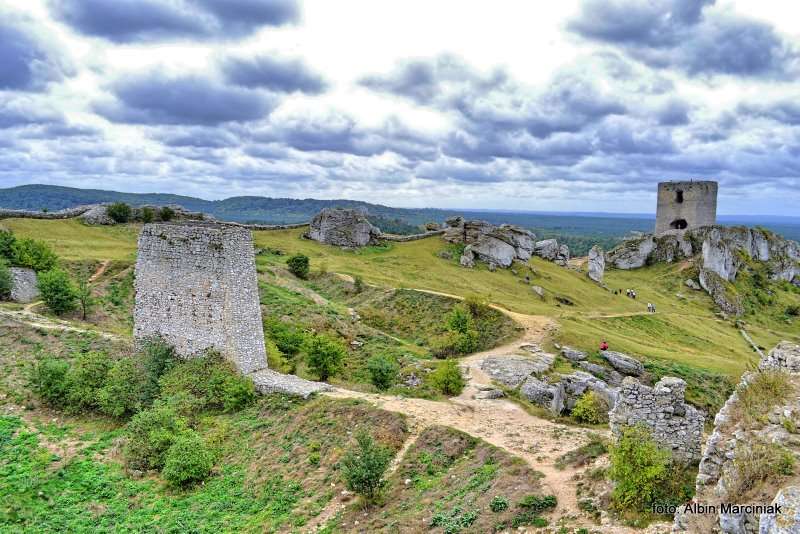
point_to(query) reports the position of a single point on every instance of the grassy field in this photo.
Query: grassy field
(686, 329)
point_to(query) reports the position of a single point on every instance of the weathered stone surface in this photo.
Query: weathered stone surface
(562, 258)
(196, 288)
(546, 249)
(632, 254)
(596, 264)
(609, 375)
(691, 284)
(467, 259)
(715, 287)
(23, 285)
(785, 355)
(579, 382)
(97, 215)
(539, 290)
(492, 250)
(521, 239)
(550, 396)
(268, 381)
(489, 394)
(675, 425)
(686, 205)
(788, 521)
(623, 363)
(513, 370)
(573, 355)
(343, 228)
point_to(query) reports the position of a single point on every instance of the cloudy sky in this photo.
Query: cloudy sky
(569, 105)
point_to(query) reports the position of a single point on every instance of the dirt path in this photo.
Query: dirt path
(100, 270)
(45, 323)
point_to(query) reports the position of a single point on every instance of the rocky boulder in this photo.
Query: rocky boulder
(611, 376)
(23, 285)
(573, 355)
(492, 250)
(97, 215)
(785, 355)
(546, 249)
(596, 264)
(521, 239)
(562, 258)
(788, 520)
(513, 370)
(343, 228)
(579, 382)
(714, 285)
(623, 363)
(549, 396)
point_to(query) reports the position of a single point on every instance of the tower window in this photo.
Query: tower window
(679, 196)
(678, 224)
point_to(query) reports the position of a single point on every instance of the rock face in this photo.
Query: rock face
(715, 287)
(623, 363)
(546, 249)
(675, 425)
(730, 437)
(573, 355)
(490, 249)
(597, 264)
(196, 288)
(609, 375)
(343, 228)
(512, 370)
(97, 215)
(579, 382)
(495, 245)
(23, 285)
(550, 396)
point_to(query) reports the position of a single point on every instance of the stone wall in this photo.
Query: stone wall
(675, 425)
(196, 287)
(685, 205)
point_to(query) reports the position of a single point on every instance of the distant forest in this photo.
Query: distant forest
(578, 231)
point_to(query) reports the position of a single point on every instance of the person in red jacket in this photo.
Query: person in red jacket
(604, 345)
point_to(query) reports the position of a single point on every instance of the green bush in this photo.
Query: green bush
(765, 390)
(454, 344)
(638, 467)
(460, 319)
(85, 378)
(48, 379)
(358, 284)
(498, 504)
(324, 355)
(83, 293)
(537, 503)
(148, 215)
(363, 466)
(33, 254)
(166, 214)
(57, 291)
(383, 371)
(5, 280)
(150, 434)
(157, 357)
(793, 310)
(212, 381)
(288, 337)
(298, 265)
(119, 211)
(590, 408)
(124, 389)
(447, 378)
(6, 245)
(188, 460)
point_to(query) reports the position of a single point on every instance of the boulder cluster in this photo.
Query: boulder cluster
(500, 246)
(343, 227)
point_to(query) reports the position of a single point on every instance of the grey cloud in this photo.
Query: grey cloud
(784, 111)
(149, 20)
(274, 73)
(199, 137)
(673, 112)
(27, 61)
(16, 112)
(150, 98)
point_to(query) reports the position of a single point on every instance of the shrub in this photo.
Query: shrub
(383, 371)
(358, 284)
(84, 295)
(124, 390)
(150, 435)
(538, 504)
(57, 291)
(766, 389)
(288, 337)
(324, 355)
(166, 214)
(157, 357)
(211, 382)
(188, 460)
(5, 280)
(148, 215)
(638, 466)
(85, 378)
(48, 380)
(590, 408)
(793, 310)
(498, 504)
(33, 254)
(6, 245)
(454, 343)
(447, 378)
(460, 320)
(477, 306)
(119, 211)
(298, 265)
(758, 461)
(363, 466)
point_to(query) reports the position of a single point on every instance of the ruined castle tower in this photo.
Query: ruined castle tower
(196, 287)
(684, 205)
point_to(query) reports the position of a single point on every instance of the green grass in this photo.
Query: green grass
(73, 240)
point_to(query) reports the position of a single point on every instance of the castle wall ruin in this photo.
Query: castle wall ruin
(685, 205)
(196, 287)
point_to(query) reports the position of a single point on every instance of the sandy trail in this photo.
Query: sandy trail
(100, 270)
(45, 323)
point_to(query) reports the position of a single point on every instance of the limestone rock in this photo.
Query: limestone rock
(539, 290)
(268, 381)
(489, 394)
(23, 285)
(521, 239)
(785, 355)
(343, 228)
(513, 370)
(609, 375)
(573, 355)
(492, 250)
(691, 284)
(633, 253)
(97, 215)
(623, 363)
(597, 264)
(562, 258)
(788, 521)
(579, 382)
(467, 258)
(546, 249)
(543, 394)
(715, 287)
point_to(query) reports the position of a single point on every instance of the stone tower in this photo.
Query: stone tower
(196, 287)
(684, 205)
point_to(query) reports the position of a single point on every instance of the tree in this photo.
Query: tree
(383, 370)
(148, 214)
(298, 265)
(119, 211)
(6, 241)
(364, 465)
(166, 214)
(84, 296)
(33, 254)
(5, 280)
(324, 355)
(447, 378)
(57, 291)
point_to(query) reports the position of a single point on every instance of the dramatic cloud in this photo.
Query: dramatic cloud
(690, 35)
(150, 20)
(27, 61)
(274, 73)
(152, 99)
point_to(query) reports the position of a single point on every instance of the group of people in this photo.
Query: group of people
(631, 293)
(651, 308)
